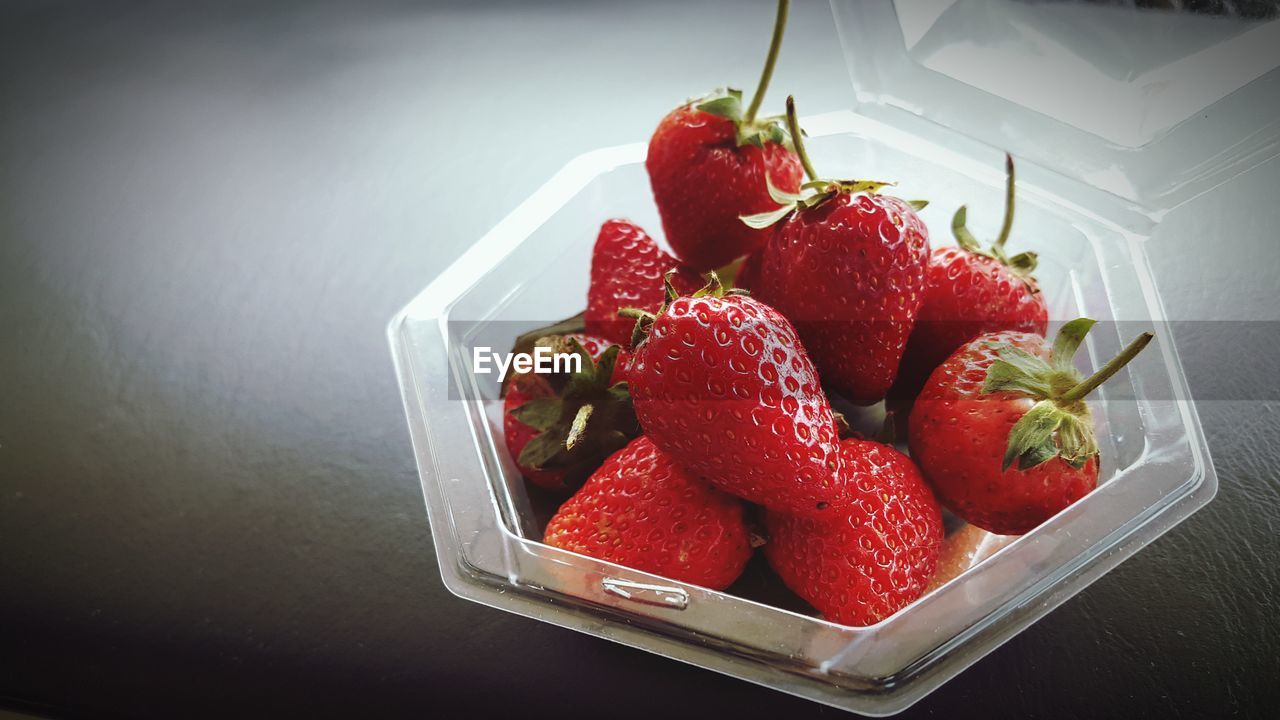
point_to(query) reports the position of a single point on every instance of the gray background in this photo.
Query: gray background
(208, 504)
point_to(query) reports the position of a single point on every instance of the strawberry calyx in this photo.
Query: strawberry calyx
(1023, 264)
(1060, 423)
(814, 192)
(587, 417)
(525, 342)
(727, 102)
(645, 319)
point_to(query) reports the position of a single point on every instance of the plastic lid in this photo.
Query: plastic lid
(1154, 106)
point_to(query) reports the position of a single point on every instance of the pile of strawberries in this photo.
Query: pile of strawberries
(701, 425)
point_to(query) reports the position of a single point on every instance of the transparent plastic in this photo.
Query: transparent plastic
(533, 267)
(1153, 107)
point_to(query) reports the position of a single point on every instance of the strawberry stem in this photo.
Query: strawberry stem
(579, 425)
(779, 27)
(793, 126)
(1106, 371)
(1008, 206)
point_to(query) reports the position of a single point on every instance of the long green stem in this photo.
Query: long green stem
(793, 125)
(1106, 371)
(1008, 204)
(779, 27)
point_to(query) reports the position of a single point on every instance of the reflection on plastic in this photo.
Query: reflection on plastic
(660, 595)
(1119, 73)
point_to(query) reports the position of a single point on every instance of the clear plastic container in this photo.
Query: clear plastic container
(533, 267)
(1152, 107)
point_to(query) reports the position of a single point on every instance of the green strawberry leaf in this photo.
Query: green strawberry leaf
(586, 369)
(1076, 439)
(965, 238)
(1004, 377)
(1031, 438)
(817, 199)
(1024, 263)
(782, 197)
(604, 366)
(762, 132)
(761, 221)
(1016, 370)
(1036, 456)
(620, 392)
(1068, 342)
(541, 449)
(866, 186)
(525, 342)
(918, 205)
(725, 103)
(540, 414)
(776, 130)
(1023, 360)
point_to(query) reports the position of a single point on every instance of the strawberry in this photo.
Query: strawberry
(861, 564)
(964, 549)
(642, 510)
(1002, 432)
(709, 162)
(721, 382)
(626, 271)
(969, 292)
(560, 427)
(748, 274)
(848, 267)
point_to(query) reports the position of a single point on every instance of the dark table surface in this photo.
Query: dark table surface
(208, 503)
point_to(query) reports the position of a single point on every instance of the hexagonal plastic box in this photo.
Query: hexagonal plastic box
(533, 268)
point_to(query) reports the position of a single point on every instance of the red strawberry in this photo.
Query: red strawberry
(1005, 398)
(964, 549)
(969, 292)
(525, 388)
(641, 510)
(861, 564)
(708, 163)
(848, 267)
(749, 271)
(722, 383)
(560, 427)
(626, 271)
